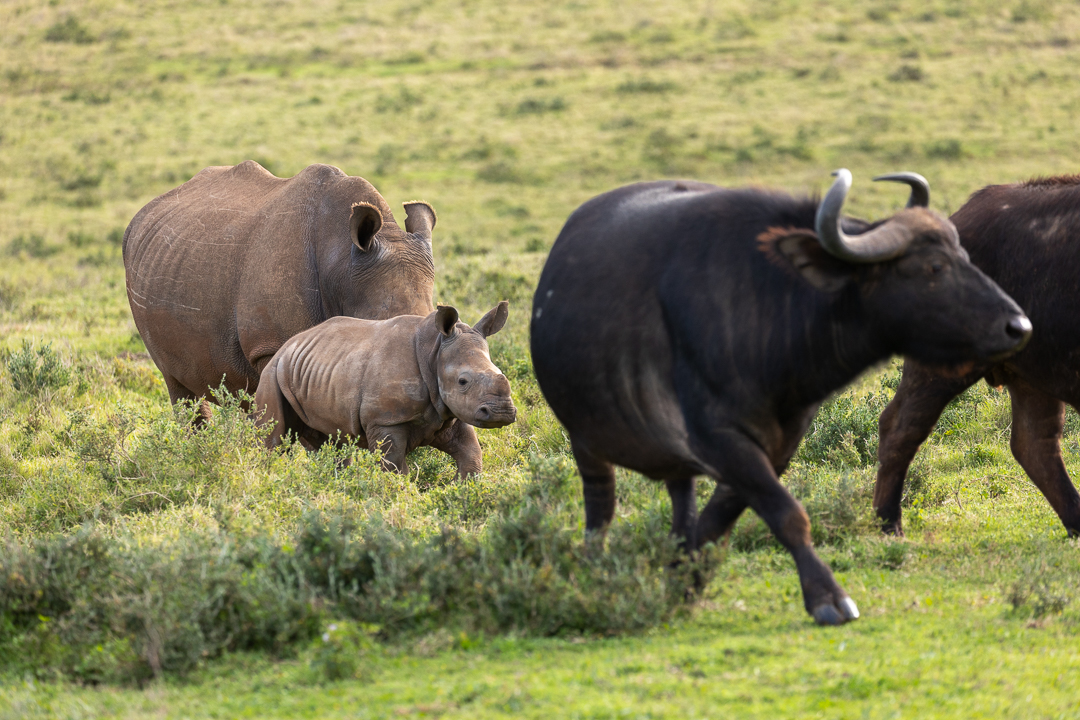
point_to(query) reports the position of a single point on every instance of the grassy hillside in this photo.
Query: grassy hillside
(151, 571)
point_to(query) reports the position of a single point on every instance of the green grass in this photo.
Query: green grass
(505, 118)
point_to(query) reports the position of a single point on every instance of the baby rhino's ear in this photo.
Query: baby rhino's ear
(494, 320)
(446, 317)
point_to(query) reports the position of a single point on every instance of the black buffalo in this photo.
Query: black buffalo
(682, 329)
(1024, 237)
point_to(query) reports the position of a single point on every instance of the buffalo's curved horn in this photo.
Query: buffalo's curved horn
(884, 242)
(920, 189)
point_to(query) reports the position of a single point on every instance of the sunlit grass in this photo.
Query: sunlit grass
(506, 118)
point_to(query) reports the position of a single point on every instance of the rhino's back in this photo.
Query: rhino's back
(207, 227)
(230, 242)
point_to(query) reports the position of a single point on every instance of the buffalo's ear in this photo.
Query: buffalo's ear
(419, 219)
(493, 321)
(801, 251)
(446, 317)
(364, 222)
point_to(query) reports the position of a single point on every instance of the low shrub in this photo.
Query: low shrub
(344, 651)
(34, 369)
(104, 609)
(101, 607)
(838, 504)
(844, 434)
(69, 30)
(1042, 589)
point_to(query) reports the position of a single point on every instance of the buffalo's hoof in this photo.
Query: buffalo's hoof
(895, 528)
(830, 615)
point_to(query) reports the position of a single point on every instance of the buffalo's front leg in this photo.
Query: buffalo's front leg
(459, 442)
(726, 504)
(1038, 421)
(749, 473)
(904, 425)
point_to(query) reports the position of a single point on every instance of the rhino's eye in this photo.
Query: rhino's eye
(462, 382)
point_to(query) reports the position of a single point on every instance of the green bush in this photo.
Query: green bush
(101, 607)
(344, 651)
(844, 433)
(33, 245)
(838, 504)
(645, 85)
(33, 370)
(144, 610)
(1042, 589)
(69, 30)
(539, 106)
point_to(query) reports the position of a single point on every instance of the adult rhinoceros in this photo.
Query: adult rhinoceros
(222, 270)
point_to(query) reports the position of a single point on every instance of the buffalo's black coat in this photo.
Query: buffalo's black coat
(681, 329)
(1027, 238)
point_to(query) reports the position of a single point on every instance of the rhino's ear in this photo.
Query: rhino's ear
(364, 222)
(494, 320)
(800, 251)
(446, 317)
(419, 219)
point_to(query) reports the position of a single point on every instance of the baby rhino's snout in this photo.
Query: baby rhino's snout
(497, 407)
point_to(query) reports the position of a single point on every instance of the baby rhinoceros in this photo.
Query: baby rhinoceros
(393, 384)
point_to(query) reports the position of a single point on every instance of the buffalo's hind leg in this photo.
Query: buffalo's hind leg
(904, 425)
(598, 488)
(684, 514)
(685, 523)
(723, 509)
(1038, 422)
(750, 475)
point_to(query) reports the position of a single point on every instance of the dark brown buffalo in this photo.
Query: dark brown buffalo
(1025, 237)
(681, 329)
(225, 268)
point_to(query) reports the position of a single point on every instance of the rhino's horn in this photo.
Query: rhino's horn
(419, 218)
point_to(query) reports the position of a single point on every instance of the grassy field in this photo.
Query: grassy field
(150, 571)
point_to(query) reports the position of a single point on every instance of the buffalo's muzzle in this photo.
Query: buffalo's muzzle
(1017, 334)
(1019, 327)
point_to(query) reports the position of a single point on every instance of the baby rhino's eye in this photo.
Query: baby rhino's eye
(462, 381)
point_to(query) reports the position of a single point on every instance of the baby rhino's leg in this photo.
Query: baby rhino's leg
(392, 443)
(271, 406)
(459, 442)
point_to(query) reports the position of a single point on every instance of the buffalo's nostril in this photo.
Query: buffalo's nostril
(1018, 327)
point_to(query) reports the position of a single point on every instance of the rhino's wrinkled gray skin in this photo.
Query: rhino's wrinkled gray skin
(393, 384)
(222, 270)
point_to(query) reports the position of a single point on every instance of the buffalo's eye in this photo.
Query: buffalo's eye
(935, 267)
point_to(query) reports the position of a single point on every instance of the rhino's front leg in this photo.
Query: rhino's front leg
(391, 442)
(459, 442)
